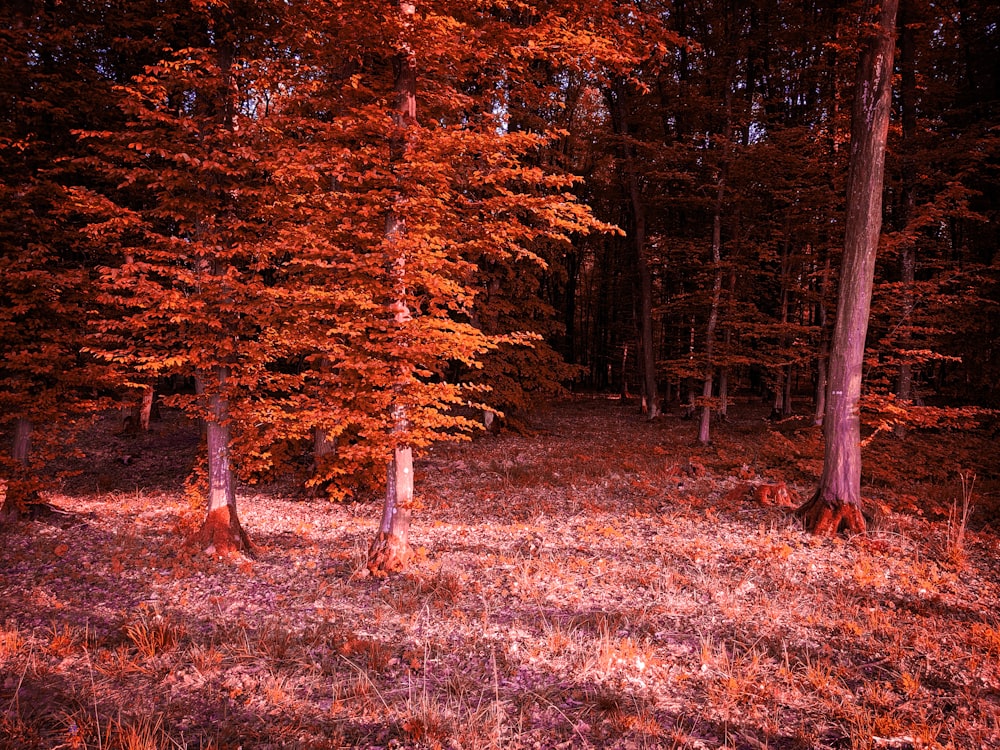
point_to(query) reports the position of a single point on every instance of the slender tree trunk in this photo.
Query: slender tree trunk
(786, 402)
(647, 352)
(820, 389)
(704, 436)
(824, 348)
(146, 408)
(324, 452)
(907, 203)
(390, 550)
(724, 390)
(221, 533)
(779, 407)
(727, 338)
(837, 503)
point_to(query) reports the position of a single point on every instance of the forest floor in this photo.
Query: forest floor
(601, 582)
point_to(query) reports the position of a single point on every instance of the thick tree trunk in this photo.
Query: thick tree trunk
(221, 532)
(390, 550)
(17, 492)
(836, 503)
(21, 447)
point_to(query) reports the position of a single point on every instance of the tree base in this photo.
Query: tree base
(826, 516)
(20, 505)
(222, 534)
(388, 554)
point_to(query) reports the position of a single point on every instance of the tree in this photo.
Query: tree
(837, 501)
(465, 193)
(50, 84)
(181, 210)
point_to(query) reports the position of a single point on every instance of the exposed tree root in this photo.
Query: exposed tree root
(825, 515)
(388, 554)
(19, 506)
(222, 534)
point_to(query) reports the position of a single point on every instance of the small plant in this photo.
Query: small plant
(65, 639)
(117, 662)
(141, 734)
(151, 633)
(11, 640)
(958, 519)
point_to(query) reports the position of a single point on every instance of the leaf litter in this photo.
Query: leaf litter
(599, 582)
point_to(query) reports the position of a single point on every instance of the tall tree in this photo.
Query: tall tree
(181, 211)
(389, 550)
(837, 501)
(57, 58)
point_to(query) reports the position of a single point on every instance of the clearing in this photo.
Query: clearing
(600, 582)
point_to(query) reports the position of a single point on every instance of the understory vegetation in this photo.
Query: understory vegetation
(596, 581)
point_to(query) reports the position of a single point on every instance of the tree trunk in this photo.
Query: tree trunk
(786, 403)
(615, 98)
(21, 448)
(221, 533)
(324, 452)
(836, 503)
(704, 436)
(146, 408)
(907, 202)
(17, 492)
(824, 348)
(390, 550)
(820, 389)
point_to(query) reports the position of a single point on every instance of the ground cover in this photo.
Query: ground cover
(596, 582)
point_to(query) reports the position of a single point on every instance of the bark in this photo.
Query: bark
(324, 452)
(704, 427)
(820, 389)
(390, 550)
(17, 493)
(21, 448)
(646, 351)
(836, 503)
(221, 532)
(146, 408)
(781, 408)
(824, 349)
(907, 203)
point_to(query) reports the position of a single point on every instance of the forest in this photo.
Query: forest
(499, 374)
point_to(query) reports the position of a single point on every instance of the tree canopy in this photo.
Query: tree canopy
(646, 197)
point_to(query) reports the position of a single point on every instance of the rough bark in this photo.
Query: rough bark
(836, 504)
(390, 550)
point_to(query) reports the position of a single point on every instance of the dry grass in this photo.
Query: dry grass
(603, 583)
